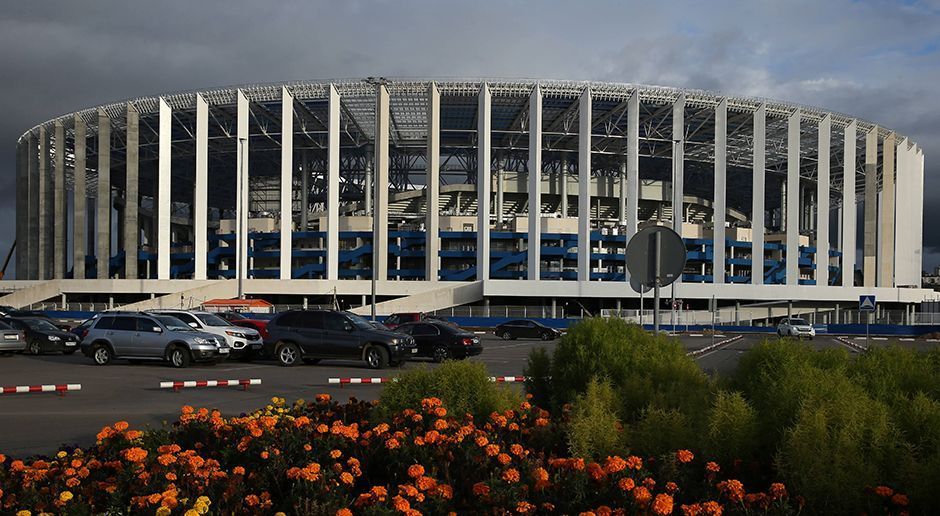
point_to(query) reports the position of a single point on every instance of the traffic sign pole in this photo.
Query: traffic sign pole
(656, 251)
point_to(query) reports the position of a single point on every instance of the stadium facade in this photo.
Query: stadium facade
(143, 198)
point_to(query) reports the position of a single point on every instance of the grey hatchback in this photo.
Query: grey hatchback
(141, 336)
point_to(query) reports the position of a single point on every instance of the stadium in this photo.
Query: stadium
(463, 193)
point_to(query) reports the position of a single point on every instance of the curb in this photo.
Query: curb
(357, 381)
(854, 345)
(176, 386)
(61, 389)
(716, 345)
(508, 379)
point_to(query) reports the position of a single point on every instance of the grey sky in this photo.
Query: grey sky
(875, 59)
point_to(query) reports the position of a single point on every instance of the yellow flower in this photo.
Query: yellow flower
(204, 500)
(61, 455)
(65, 496)
(191, 512)
(163, 511)
(200, 508)
(24, 513)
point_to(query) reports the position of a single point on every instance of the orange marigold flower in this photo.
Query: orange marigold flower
(900, 500)
(187, 409)
(265, 455)
(440, 412)
(445, 491)
(170, 476)
(76, 463)
(517, 450)
(732, 489)
(492, 450)
(649, 483)
(662, 504)
(120, 426)
(481, 489)
(135, 454)
(671, 488)
(323, 398)
(322, 429)
(166, 459)
(614, 465)
(70, 483)
(415, 470)
(307, 447)
(524, 507)
(603, 510)
(511, 475)
(481, 441)
(392, 443)
(642, 496)
(440, 424)
(335, 454)
(252, 500)
(884, 491)
(133, 434)
(301, 422)
(634, 462)
(344, 512)
(711, 508)
(401, 504)
(712, 467)
(778, 490)
(596, 472)
(346, 478)
(238, 470)
(426, 483)
(504, 458)
(684, 456)
(379, 493)
(626, 484)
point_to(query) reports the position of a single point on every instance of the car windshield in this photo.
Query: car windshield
(172, 323)
(212, 320)
(40, 325)
(360, 322)
(798, 322)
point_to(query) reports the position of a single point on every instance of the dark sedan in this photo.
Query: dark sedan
(525, 329)
(44, 337)
(442, 340)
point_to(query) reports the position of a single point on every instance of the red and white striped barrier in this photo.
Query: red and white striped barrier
(344, 381)
(716, 345)
(176, 386)
(853, 345)
(508, 379)
(61, 389)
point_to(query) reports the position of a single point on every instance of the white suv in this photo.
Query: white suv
(795, 327)
(245, 342)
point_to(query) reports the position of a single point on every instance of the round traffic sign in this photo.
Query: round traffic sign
(643, 258)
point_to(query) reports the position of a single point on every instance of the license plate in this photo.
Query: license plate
(414, 350)
(223, 351)
(10, 337)
(69, 343)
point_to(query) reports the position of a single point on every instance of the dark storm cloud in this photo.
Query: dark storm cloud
(877, 60)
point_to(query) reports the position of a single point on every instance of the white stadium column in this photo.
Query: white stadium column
(721, 191)
(887, 250)
(201, 190)
(103, 211)
(60, 219)
(432, 260)
(822, 201)
(79, 203)
(131, 195)
(759, 174)
(869, 243)
(535, 184)
(584, 186)
(483, 182)
(164, 161)
(902, 208)
(287, 182)
(848, 205)
(918, 217)
(678, 162)
(241, 173)
(33, 242)
(793, 198)
(633, 163)
(380, 213)
(332, 193)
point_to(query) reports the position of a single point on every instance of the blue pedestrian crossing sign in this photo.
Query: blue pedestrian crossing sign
(866, 303)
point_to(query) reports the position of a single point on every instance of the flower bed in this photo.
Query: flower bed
(328, 458)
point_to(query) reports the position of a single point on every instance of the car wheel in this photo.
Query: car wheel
(35, 348)
(547, 336)
(102, 354)
(311, 361)
(288, 354)
(506, 335)
(440, 354)
(180, 357)
(376, 357)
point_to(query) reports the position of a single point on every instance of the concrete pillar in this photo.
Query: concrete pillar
(132, 196)
(380, 236)
(678, 162)
(869, 245)
(22, 209)
(789, 309)
(201, 190)
(367, 186)
(563, 180)
(633, 163)
(902, 274)
(483, 183)
(584, 186)
(287, 182)
(793, 198)
(759, 174)
(432, 246)
(848, 205)
(887, 251)
(305, 191)
(242, 172)
(60, 219)
(535, 185)
(919, 217)
(45, 207)
(720, 201)
(32, 170)
(163, 200)
(822, 202)
(103, 212)
(499, 195)
(332, 193)
(622, 204)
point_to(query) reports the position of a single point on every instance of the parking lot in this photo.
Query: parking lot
(34, 423)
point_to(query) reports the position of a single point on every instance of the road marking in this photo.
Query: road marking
(908, 340)
(713, 348)
(696, 335)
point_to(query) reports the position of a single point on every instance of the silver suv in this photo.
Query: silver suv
(143, 336)
(245, 342)
(795, 327)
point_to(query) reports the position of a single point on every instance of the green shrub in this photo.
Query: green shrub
(594, 430)
(463, 386)
(538, 372)
(892, 372)
(732, 430)
(659, 431)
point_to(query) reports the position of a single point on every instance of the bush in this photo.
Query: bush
(732, 428)
(594, 431)
(660, 430)
(463, 386)
(538, 372)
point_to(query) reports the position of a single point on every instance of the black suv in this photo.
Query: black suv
(312, 335)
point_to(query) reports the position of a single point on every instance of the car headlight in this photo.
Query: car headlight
(200, 340)
(236, 334)
(54, 338)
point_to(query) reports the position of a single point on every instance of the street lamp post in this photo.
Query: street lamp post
(242, 255)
